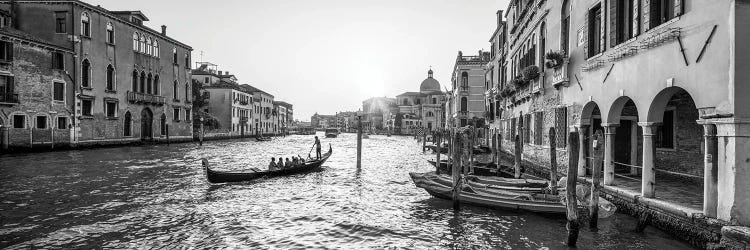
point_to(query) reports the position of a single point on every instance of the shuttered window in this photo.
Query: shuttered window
(527, 129)
(657, 12)
(595, 42)
(538, 127)
(561, 127)
(58, 91)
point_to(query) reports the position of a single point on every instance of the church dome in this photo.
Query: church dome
(429, 84)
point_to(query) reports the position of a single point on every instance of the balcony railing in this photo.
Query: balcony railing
(560, 75)
(9, 98)
(135, 97)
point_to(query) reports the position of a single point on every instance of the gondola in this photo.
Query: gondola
(214, 176)
(262, 138)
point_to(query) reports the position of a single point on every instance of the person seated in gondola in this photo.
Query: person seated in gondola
(301, 160)
(295, 161)
(272, 166)
(288, 163)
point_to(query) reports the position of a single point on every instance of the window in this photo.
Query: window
(661, 11)
(135, 81)
(176, 114)
(6, 51)
(187, 92)
(62, 123)
(596, 37)
(85, 25)
(58, 91)
(623, 19)
(86, 106)
(175, 90)
(110, 77)
(665, 131)
(60, 22)
(464, 80)
(58, 61)
(561, 127)
(464, 104)
(111, 109)
(205, 80)
(19, 121)
(565, 26)
(156, 48)
(187, 115)
(156, 85)
(142, 88)
(135, 41)
(542, 42)
(41, 122)
(142, 44)
(527, 128)
(434, 100)
(148, 47)
(149, 82)
(127, 123)
(174, 56)
(86, 73)
(110, 33)
(538, 127)
(6, 89)
(187, 59)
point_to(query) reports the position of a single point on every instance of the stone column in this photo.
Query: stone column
(711, 169)
(609, 153)
(733, 187)
(647, 185)
(583, 133)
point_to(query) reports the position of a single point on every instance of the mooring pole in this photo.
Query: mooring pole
(437, 138)
(517, 157)
(596, 177)
(552, 161)
(200, 136)
(572, 200)
(456, 172)
(359, 142)
(4, 136)
(424, 141)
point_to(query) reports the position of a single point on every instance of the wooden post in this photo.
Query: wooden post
(200, 137)
(456, 172)
(437, 138)
(4, 133)
(596, 177)
(167, 131)
(424, 141)
(52, 139)
(517, 157)
(552, 161)
(499, 148)
(470, 146)
(359, 142)
(572, 200)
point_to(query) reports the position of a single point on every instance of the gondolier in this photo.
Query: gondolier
(317, 148)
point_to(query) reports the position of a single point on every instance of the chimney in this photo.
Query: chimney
(220, 72)
(164, 30)
(499, 17)
(226, 72)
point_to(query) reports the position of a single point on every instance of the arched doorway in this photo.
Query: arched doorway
(147, 121)
(591, 121)
(627, 136)
(127, 125)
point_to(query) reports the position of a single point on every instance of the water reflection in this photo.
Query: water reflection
(157, 196)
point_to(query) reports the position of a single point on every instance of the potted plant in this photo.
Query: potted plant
(530, 73)
(519, 82)
(554, 60)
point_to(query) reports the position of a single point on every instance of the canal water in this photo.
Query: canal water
(157, 196)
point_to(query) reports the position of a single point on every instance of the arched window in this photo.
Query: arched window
(156, 48)
(85, 25)
(142, 88)
(135, 41)
(127, 124)
(430, 114)
(148, 46)
(187, 92)
(110, 77)
(187, 59)
(86, 73)
(464, 79)
(156, 85)
(464, 104)
(135, 81)
(406, 102)
(142, 46)
(419, 101)
(149, 80)
(110, 33)
(174, 56)
(175, 91)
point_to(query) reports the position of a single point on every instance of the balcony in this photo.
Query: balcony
(464, 89)
(8, 98)
(135, 97)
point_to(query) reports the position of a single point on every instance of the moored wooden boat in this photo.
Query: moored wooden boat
(214, 176)
(260, 138)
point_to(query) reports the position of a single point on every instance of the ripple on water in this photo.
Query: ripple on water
(157, 196)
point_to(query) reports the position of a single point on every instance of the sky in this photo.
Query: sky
(326, 56)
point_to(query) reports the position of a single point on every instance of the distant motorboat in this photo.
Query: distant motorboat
(332, 133)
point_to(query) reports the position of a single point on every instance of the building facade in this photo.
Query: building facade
(423, 109)
(608, 72)
(373, 110)
(129, 81)
(35, 108)
(468, 87)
